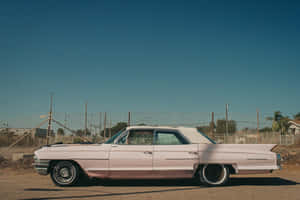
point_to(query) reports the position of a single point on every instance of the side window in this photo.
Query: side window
(168, 138)
(140, 137)
(137, 137)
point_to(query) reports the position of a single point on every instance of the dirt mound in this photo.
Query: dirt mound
(3, 162)
(290, 154)
(25, 163)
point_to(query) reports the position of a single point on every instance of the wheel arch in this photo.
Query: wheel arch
(53, 162)
(231, 166)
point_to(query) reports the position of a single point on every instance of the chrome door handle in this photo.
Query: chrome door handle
(114, 145)
(193, 152)
(147, 152)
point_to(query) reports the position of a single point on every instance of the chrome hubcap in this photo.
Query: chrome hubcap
(64, 172)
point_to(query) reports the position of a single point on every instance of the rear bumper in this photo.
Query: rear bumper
(41, 166)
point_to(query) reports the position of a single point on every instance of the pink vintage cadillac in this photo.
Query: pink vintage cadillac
(145, 152)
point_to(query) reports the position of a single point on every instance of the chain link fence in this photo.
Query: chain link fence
(97, 122)
(249, 138)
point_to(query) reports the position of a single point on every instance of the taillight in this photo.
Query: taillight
(278, 159)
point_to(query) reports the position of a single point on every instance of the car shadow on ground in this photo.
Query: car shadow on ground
(107, 194)
(261, 181)
(255, 181)
(270, 181)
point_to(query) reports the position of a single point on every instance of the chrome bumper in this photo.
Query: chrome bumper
(41, 166)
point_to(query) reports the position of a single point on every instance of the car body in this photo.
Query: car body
(146, 152)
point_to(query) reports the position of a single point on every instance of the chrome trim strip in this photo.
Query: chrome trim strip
(140, 169)
(90, 158)
(181, 159)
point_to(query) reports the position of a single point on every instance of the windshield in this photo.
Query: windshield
(111, 140)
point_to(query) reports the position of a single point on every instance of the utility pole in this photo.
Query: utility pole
(212, 123)
(100, 123)
(65, 122)
(85, 120)
(129, 118)
(7, 132)
(257, 118)
(227, 120)
(110, 126)
(104, 133)
(49, 119)
(7, 128)
(91, 123)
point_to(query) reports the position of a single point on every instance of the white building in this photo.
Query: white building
(294, 127)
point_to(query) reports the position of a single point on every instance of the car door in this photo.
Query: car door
(173, 156)
(132, 155)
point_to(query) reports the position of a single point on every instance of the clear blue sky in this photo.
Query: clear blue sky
(179, 56)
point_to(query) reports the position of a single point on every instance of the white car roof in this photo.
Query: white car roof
(191, 134)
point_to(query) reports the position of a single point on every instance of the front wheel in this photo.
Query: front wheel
(65, 173)
(214, 175)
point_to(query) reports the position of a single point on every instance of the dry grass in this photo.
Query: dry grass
(290, 154)
(27, 141)
(7, 153)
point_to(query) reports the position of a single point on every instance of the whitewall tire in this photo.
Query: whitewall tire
(214, 174)
(65, 173)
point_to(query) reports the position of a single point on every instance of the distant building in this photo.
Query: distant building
(41, 132)
(294, 127)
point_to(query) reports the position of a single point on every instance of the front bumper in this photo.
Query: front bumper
(41, 166)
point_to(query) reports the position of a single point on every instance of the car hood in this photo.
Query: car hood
(73, 147)
(69, 150)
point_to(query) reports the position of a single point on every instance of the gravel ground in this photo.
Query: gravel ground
(281, 185)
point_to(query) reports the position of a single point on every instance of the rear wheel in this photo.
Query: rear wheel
(214, 175)
(65, 173)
